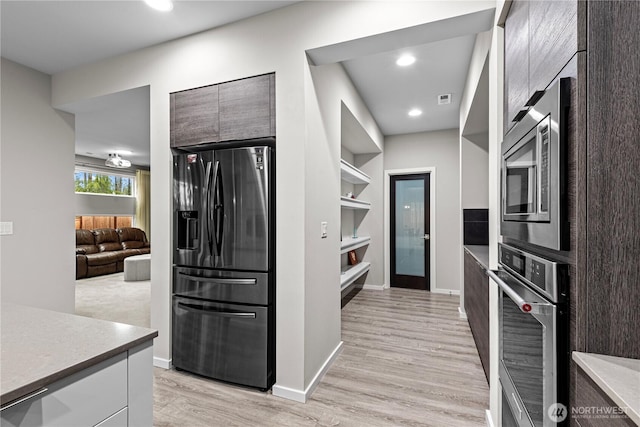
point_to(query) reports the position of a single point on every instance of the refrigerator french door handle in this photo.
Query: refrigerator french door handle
(218, 207)
(219, 280)
(213, 312)
(207, 211)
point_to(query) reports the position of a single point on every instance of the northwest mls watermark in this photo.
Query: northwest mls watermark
(558, 412)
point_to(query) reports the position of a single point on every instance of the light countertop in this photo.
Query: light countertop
(40, 347)
(479, 252)
(619, 378)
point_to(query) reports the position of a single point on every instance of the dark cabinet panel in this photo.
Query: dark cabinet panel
(476, 304)
(553, 40)
(591, 397)
(613, 165)
(247, 108)
(540, 39)
(516, 61)
(194, 116)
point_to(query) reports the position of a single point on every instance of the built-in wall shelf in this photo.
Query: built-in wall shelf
(352, 174)
(351, 243)
(352, 273)
(349, 203)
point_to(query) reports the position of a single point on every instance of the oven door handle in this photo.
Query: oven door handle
(525, 307)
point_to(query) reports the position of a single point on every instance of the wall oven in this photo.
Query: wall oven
(532, 338)
(534, 173)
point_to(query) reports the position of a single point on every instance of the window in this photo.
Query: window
(92, 181)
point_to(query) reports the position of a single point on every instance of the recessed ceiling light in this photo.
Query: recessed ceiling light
(405, 60)
(161, 5)
(415, 112)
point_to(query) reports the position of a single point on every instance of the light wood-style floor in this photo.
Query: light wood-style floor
(407, 360)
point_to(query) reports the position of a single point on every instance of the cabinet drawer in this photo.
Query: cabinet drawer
(118, 419)
(85, 398)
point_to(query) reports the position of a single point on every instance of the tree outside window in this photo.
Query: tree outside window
(99, 183)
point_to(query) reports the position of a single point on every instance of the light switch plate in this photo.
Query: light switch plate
(323, 230)
(6, 228)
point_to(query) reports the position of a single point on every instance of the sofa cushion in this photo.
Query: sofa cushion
(102, 258)
(85, 237)
(106, 235)
(132, 244)
(132, 234)
(109, 247)
(88, 249)
(130, 252)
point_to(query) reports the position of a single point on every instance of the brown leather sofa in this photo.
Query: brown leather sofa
(103, 250)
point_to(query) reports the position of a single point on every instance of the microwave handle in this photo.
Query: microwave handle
(524, 306)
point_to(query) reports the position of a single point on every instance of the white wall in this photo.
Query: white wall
(496, 97)
(474, 175)
(277, 42)
(38, 261)
(438, 149)
(104, 205)
(328, 88)
(373, 222)
(476, 65)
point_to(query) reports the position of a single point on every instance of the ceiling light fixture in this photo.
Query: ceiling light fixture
(405, 60)
(115, 161)
(161, 5)
(415, 112)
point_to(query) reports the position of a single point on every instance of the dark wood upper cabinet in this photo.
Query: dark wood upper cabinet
(516, 61)
(553, 40)
(194, 116)
(236, 110)
(247, 108)
(541, 37)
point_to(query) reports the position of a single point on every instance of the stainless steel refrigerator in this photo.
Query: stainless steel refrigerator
(223, 273)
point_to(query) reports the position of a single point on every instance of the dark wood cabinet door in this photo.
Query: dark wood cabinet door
(613, 165)
(247, 108)
(476, 305)
(516, 61)
(194, 116)
(553, 40)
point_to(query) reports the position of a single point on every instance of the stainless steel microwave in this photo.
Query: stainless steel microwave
(533, 174)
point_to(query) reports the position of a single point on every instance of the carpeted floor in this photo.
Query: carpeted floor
(109, 297)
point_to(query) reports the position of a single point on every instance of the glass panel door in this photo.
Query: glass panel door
(410, 231)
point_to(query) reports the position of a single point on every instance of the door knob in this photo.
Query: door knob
(426, 237)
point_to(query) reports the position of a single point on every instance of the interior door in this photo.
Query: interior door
(410, 239)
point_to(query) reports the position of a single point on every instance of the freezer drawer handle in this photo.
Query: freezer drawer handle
(217, 313)
(220, 280)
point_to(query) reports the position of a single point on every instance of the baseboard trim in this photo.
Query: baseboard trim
(488, 419)
(302, 396)
(462, 313)
(159, 362)
(373, 287)
(446, 291)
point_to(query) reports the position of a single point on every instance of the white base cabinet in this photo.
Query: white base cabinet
(114, 392)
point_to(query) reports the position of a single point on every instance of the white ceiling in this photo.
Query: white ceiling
(53, 36)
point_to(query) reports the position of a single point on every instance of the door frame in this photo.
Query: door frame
(388, 173)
